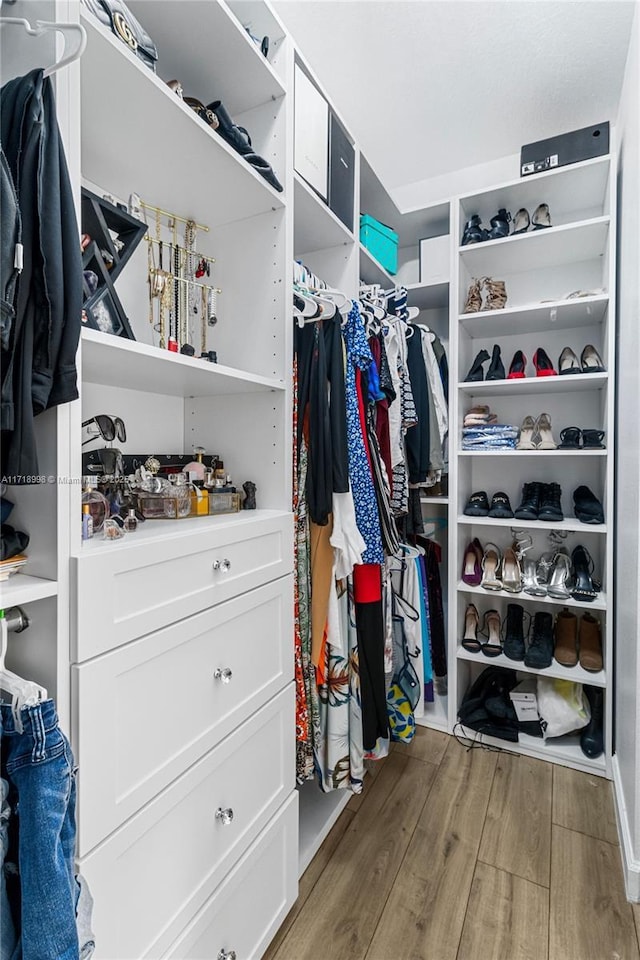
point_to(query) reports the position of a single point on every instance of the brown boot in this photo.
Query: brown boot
(590, 642)
(496, 294)
(473, 303)
(566, 639)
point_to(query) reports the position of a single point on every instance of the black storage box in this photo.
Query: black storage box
(568, 148)
(341, 173)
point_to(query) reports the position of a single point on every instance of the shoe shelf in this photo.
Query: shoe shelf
(127, 364)
(600, 603)
(536, 317)
(218, 60)
(316, 227)
(138, 136)
(436, 714)
(563, 750)
(439, 500)
(373, 272)
(577, 673)
(536, 385)
(554, 454)
(571, 526)
(550, 247)
(21, 588)
(429, 296)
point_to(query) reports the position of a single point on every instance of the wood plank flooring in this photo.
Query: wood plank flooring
(455, 854)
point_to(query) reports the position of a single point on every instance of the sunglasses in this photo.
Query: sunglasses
(107, 427)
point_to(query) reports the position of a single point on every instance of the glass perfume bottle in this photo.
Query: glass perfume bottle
(131, 521)
(87, 522)
(98, 504)
(195, 470)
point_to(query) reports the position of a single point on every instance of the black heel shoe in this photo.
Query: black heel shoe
(584, 586)
(500, 225)
(473, 232)
(476, 372)
(496, 369)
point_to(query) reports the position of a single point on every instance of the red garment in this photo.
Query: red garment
(367, 583)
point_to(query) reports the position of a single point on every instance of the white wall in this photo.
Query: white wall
(627, 592)
(413, 196)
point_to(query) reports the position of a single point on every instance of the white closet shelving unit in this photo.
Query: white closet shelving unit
(540, 269)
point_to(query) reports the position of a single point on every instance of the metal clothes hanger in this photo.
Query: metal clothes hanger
(68, 30)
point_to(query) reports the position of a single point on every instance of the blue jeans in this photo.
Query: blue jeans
(39, 766)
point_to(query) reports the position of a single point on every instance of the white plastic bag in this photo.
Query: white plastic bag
(562, 706)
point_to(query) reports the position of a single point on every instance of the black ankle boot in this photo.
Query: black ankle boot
(513, 643)
(550, 503)
(476, 372)
(530, 504)
(236, 137)
(496, 369)
(540, 651)
(591, 738)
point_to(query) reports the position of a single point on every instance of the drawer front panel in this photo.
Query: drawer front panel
(149, 710)
(151, 877)
(246, 910)
(133, 590)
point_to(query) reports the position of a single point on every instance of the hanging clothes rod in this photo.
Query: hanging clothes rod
(43, 26)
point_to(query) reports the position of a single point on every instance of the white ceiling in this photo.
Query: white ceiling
(427, 87)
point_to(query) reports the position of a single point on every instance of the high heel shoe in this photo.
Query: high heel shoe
(560, 576)
(492, 625)
(584, 587)
(568, 363)
(473, 303)
(541, 218)
(543, 430)
(473, 231)
(525, 441)
(511, 572)
(530, 583)
(542, 363)
(496, 294)
(470, 640)
(472, 566)
(518, 366)
(476, 372)
(570, 438)
(491, 568)
(521, 221)
(496, 367)
(499, 225)
(592, 439)
(591, 361)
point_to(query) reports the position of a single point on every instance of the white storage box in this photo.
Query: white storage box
(525, 701)
(434, 260)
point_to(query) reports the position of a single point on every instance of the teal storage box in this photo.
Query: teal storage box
(381, 242)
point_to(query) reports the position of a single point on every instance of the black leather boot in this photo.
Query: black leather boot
(540, 651)
(530, 503)
(236, 137)
(513, 643)
(496, 369)
(476, 372)
(551, 503)
(591, 737)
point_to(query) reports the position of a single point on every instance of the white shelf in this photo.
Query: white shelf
(137, 135)
(554, 454)
(537, 385)
(373, 272)
(163, 530)
(218, 61)
(21, 588)
(536, 317)
(428, 296)
(436, 714)
(318, 813)
(600, 603)
(127, 364)
(316, 227)
(577, 674)
(571, 243)
(439, 500)
(571, 526)
(563, 750)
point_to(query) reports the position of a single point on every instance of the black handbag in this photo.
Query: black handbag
(116, 15)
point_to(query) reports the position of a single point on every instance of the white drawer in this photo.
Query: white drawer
(132, 590)
(151, 877)
(147, 711)
(246, 910)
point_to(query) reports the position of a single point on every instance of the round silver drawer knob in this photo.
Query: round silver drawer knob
(224, 955)
(223, 673)
(224, 816)
(222, 565)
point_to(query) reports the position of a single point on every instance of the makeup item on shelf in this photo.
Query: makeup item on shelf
(112, 530)
(131, 521)
(199, 501)
(98, 504)
(87, 522)
(195, 470)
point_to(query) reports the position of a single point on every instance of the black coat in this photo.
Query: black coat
(38, 367)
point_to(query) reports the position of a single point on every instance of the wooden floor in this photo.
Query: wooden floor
(452, 854)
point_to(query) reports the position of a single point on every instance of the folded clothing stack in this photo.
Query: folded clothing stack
(497, 436)
(479, 416)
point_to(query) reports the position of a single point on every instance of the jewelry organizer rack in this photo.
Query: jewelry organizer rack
(178, 297)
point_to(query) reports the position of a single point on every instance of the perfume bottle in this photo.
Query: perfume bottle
(131, 522)
(199, 501)
(87, 522)
(98, 504)
(196, 469)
